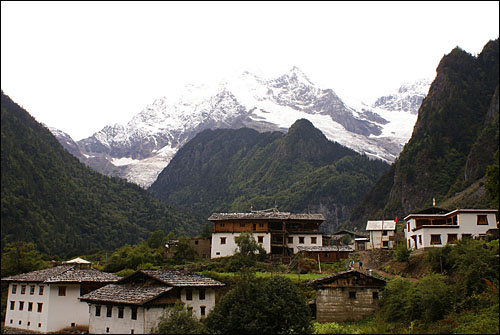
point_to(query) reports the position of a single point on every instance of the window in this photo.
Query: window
(196, 242)
(40, 290)
(133, 316)
(202, 310)
(375, 295)
(260, 239)
(30, 306)
(39, 307)
(222, 225)
(313, 239)
(420, 239)
(385, 244)
(261, 225)
(21, 305)
(482, 220)
(436, 239)
(11, 321)
(217, 253)
(109, 311)
(20, 321)
(466, 236)
(107, 329)
(408, 227)
(352, 295)
(12, 305)
(23, 289)
(131, 331)
(73, 324)
(190, 309)
(384, 232)
(242, 225)
(301, 239)
(189, 294)
(327, 255)
(290, 239)
(97, 310)
(32, 289)
(201, 293)
(120, 312)
(39, 325)
(222, 240)
(29, 323)
(452, 238)
(14, 289)
(62, 291)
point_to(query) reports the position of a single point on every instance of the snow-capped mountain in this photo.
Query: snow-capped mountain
(141, 149)
(408, 97)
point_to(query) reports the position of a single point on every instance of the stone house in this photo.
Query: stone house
(47, 300)
(346, 296)
(136, 303)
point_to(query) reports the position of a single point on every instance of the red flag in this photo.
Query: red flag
(396, 219)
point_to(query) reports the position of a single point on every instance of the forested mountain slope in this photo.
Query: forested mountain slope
(236, 170)
(453, 143)
(64, 207)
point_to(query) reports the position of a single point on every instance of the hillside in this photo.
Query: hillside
(453, 143)
(64, 207)
(300, 171)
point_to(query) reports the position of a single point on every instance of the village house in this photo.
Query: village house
(201, 245)
(346, 296)
(326, 254)
(279, 233)
(382, 234)
(136, 303)
(436, 227)
(47, 300)
(358, 239)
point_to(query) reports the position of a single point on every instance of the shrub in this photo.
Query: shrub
(402, 252)
(178, 320)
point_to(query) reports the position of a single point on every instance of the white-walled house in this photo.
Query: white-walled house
(427, 229)
(380, 234)
(47, 300)
(135, 304)
(279, 233)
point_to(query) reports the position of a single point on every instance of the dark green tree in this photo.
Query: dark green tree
(21, 257)
(265, 306)
(179, 320)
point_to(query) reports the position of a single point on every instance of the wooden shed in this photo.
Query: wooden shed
(346, 296)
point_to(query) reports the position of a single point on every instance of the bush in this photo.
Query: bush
(402, 252)
(178, 320)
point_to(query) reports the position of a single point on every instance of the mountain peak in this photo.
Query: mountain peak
(296, 73)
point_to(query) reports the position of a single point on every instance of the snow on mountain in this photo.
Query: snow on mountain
(139, 150)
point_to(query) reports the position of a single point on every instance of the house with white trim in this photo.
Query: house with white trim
(135, 304)
(432, 228)
(47, 300)
(279, 233)
(382, 234)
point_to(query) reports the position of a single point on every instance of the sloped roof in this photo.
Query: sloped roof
(328, 248)
(266, 216)
(77, 260)
(325, 280)
(177, 278)
(381, 225)
(64, 273)
(125, 294)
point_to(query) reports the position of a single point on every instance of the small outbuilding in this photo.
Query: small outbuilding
(346, 296)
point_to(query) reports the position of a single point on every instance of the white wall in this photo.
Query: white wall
(67, 309)
(376, 239)
(196, 303)
(307, 241)
(35, 319)
(99, 324)
(467, 224)
(228, 249)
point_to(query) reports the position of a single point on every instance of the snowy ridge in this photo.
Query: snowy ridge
(139, 150)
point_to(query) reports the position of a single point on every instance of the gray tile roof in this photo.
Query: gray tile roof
(328, 248)
(131, 294)
(324, 280)
(381, 225)
(63, 273)
(181, 279)
(265, 216)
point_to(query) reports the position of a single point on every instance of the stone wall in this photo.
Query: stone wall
(339, 304)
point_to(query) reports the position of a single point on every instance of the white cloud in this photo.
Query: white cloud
(78, 66)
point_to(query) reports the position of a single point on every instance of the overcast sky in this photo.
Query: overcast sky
(79, 66)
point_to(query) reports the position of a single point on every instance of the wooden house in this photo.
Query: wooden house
(47, 300)
(382, 234)
(279, 233)
(346, 296)
(136, 303)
